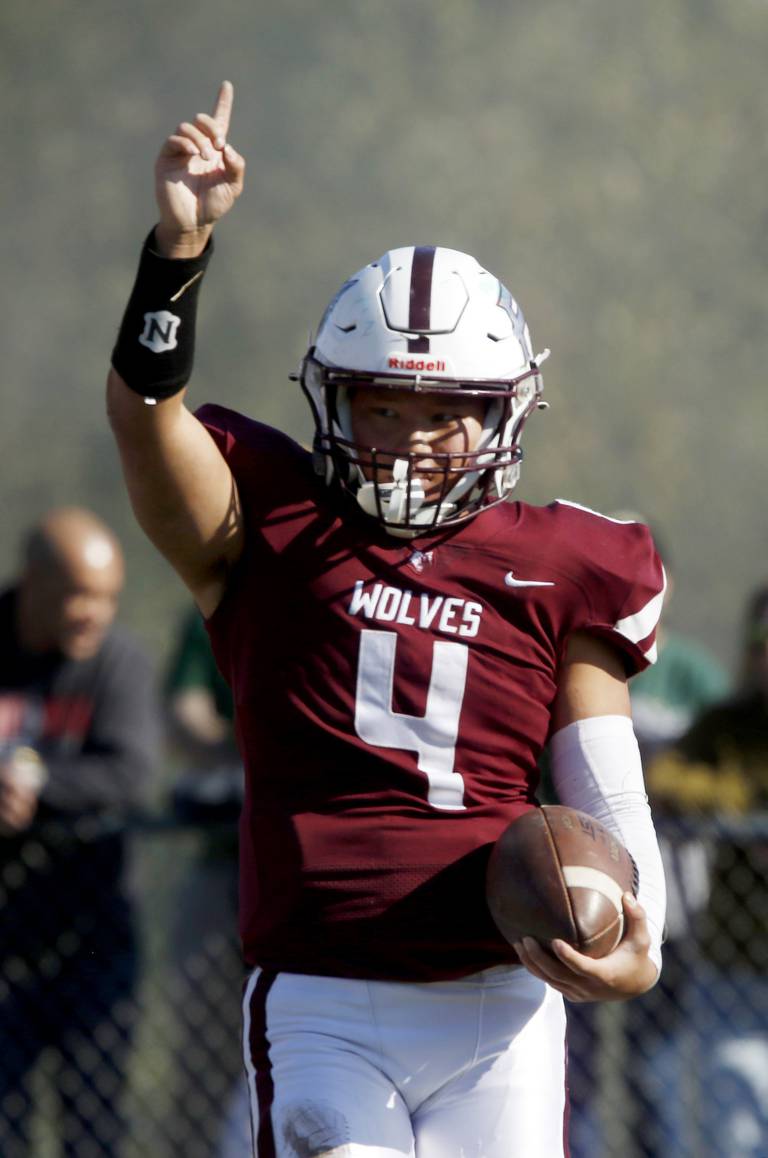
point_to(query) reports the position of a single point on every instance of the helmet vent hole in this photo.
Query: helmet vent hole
(347, 329)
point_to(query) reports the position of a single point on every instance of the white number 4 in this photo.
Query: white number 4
(433, 735)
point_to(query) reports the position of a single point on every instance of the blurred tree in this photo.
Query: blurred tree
(606, 161)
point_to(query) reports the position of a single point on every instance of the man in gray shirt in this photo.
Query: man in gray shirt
(78, 740)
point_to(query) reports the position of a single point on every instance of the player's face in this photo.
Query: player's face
(424, 425)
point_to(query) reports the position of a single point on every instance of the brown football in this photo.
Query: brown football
(556, 872)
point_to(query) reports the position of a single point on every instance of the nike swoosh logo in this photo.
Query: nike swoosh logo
(510, 581)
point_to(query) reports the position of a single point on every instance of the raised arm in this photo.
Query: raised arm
(180, 486)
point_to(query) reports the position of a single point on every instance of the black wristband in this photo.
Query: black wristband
(155, 347)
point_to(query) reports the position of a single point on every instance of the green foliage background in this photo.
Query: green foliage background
(607, 160)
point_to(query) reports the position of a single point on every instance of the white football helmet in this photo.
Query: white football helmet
(431, 320)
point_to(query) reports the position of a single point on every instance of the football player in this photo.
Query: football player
(401, 641)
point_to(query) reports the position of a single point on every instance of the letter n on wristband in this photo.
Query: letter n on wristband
(155, 347)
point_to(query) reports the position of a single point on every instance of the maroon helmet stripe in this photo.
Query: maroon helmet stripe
(258, 1044)
(421, 287)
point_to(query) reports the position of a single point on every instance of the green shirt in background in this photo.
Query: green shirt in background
(669, 695)
(193, 666)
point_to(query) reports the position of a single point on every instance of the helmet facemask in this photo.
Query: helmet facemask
(390, 485)
(488, 334)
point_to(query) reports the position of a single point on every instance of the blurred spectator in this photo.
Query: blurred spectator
(78, 737)
(720, 769)
(666, 698)
(200, 718)
(206, 949)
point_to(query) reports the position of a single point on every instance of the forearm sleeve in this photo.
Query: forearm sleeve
(596, 768)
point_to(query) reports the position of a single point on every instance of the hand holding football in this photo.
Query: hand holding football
(557, 873)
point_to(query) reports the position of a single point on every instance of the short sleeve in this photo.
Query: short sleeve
(619, 571)
(632, 619)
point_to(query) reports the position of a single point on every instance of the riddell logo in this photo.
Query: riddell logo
(420, 364)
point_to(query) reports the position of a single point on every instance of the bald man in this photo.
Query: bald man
(73, 575)
(78, 741)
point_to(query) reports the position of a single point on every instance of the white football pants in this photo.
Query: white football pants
(473, 1068)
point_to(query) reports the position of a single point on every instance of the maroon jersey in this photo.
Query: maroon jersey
(392, 699)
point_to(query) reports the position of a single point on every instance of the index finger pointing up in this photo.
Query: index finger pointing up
(223, 109)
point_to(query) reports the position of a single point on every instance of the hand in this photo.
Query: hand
(626, 972)
(198, 177)
(18, 802)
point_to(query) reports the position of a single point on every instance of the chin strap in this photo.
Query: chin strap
(398, 501)
(400, 504)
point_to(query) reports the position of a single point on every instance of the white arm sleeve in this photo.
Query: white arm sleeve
(596, 768)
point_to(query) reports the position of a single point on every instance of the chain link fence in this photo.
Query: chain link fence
(682, 1072)
(120, 981)
(120, 1003)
